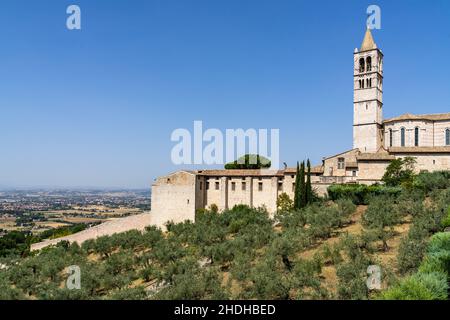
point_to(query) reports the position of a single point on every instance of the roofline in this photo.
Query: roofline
(417, 117)
(340, 154)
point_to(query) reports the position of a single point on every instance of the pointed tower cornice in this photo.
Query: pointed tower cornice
(368, 42)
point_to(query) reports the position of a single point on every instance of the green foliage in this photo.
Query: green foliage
(429, 286)
(14, 243)
(360, 194)
(309, 193)
(400, 172)
(249, 161)
(410, 254)
(352, 273)
(284, 203)
(303, 192)
(380, 218)
(429, 181)
(62, 231)
(445, 223)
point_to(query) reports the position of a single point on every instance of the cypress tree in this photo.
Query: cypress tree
(297, 196)
(309, 193)
(302, 187)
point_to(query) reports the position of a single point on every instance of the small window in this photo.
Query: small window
(354, 173)
(207, 185)
(201, 185)
(390, 138)
(280, 186)
(369, 64)
(187, 201)
(233, 186)
(293, 186)
(447, 137)
(361, 65)
(434, 161)
(260, 186)
(244, 186)
(416, 137)
(217, 186)
(402, 137)
(341, 163)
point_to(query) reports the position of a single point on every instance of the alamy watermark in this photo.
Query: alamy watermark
(73, 22)
(373, 17)
(74, 280)
(374, 277)
(212, 146)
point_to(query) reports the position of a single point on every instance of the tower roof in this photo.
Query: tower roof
(368, 42)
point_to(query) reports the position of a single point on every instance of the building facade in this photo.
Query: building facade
(376, 142)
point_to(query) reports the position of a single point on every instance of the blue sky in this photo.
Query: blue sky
(97, 107)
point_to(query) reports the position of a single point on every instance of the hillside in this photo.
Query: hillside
(319, 252)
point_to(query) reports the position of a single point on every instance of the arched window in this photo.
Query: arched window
(402, 137)
(361, 65)
(447, 137)
(390, 138)
(360, 84)
(416, 137)
(369, 64)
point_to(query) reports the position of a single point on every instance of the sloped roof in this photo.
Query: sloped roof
(440, 149)
(240, 173)
(429, 117)
(254, 172)
(377, 156)
(368, 42)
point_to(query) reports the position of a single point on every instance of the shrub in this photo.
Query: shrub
(360, 194)
(446, 220)
(284, 203)
(437, 261)
(429, 181)
(249, 161)
(410, 254)
(421, 286)
(438, 242)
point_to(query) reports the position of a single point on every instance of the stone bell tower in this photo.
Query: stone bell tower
(368, 96)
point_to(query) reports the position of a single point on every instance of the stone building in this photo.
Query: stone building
(376, 141)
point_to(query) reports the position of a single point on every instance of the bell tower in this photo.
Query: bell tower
(368, 96)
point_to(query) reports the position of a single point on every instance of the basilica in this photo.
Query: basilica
(376, 142)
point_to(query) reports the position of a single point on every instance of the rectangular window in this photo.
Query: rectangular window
(207, 185)
(217, 186)
(341, 163)
(354, 173)
(402, 137)
(293, 186)
(416, 137)
(390, 137)
(233, 186)
(260, 186)
(280, 186)
(244, 186)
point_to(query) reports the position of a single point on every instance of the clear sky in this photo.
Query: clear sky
(97, 107)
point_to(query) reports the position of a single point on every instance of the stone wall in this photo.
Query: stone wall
(137, 222)
(174, 197)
